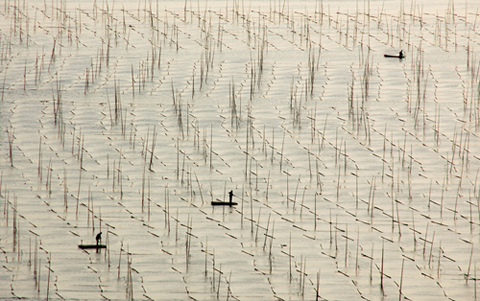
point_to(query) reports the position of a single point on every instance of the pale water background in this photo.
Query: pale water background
(356, 175)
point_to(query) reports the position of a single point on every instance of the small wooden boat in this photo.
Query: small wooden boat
(83, 247)
(400, 55)
(220, 203)
(394, 56)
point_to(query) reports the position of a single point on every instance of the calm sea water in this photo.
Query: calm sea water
(355, 175)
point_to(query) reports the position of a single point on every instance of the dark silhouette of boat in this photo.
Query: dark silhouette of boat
(400, 55)
(97, 246)
(229, 203)
(83, 247)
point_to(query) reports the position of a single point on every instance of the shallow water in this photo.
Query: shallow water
(350, 170)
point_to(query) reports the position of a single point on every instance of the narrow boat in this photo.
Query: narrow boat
(92, 247)
(219, 203)
(400, 55)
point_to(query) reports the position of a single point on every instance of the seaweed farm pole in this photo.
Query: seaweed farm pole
(425, 241)
(154, 139)
(475, 280)
(268, 184)
(400, 294)
(251, 210)
(14, 225)
(414, 232)
(213, 269)
(330, 228)
(211, 145)
(273, 144)
(120, 259)
(143, 187)
(266, 232)
(219, 278)
(187, 242)
(371, 264)
(241, 213)
(4, 80)
(39, 172)
(346, 246)
(149, 199)
(10, 144)
(246, 149)
(315, 214)
(133, 80)
(48, 278)
(177, 172)
(317, 291)
(302, 276)
(281, 154)
(381, 269)
(65, 189)
(290, 258)
(336, 235)
(78, 193)
(199, 187)
(431, 248)
(270, 248)
(356, 255)
(39, 275)
(35, 255)
(166, 210)
(356, 187)
(206, 253)
(467, 275)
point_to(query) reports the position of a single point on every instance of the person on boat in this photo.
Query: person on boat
(230, 194)
(401, 55)
(98, 238)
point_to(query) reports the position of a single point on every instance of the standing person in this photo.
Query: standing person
(99, 238)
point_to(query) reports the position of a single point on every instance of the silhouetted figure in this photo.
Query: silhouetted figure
(401, 55)
(99, 238)
(230, 194)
